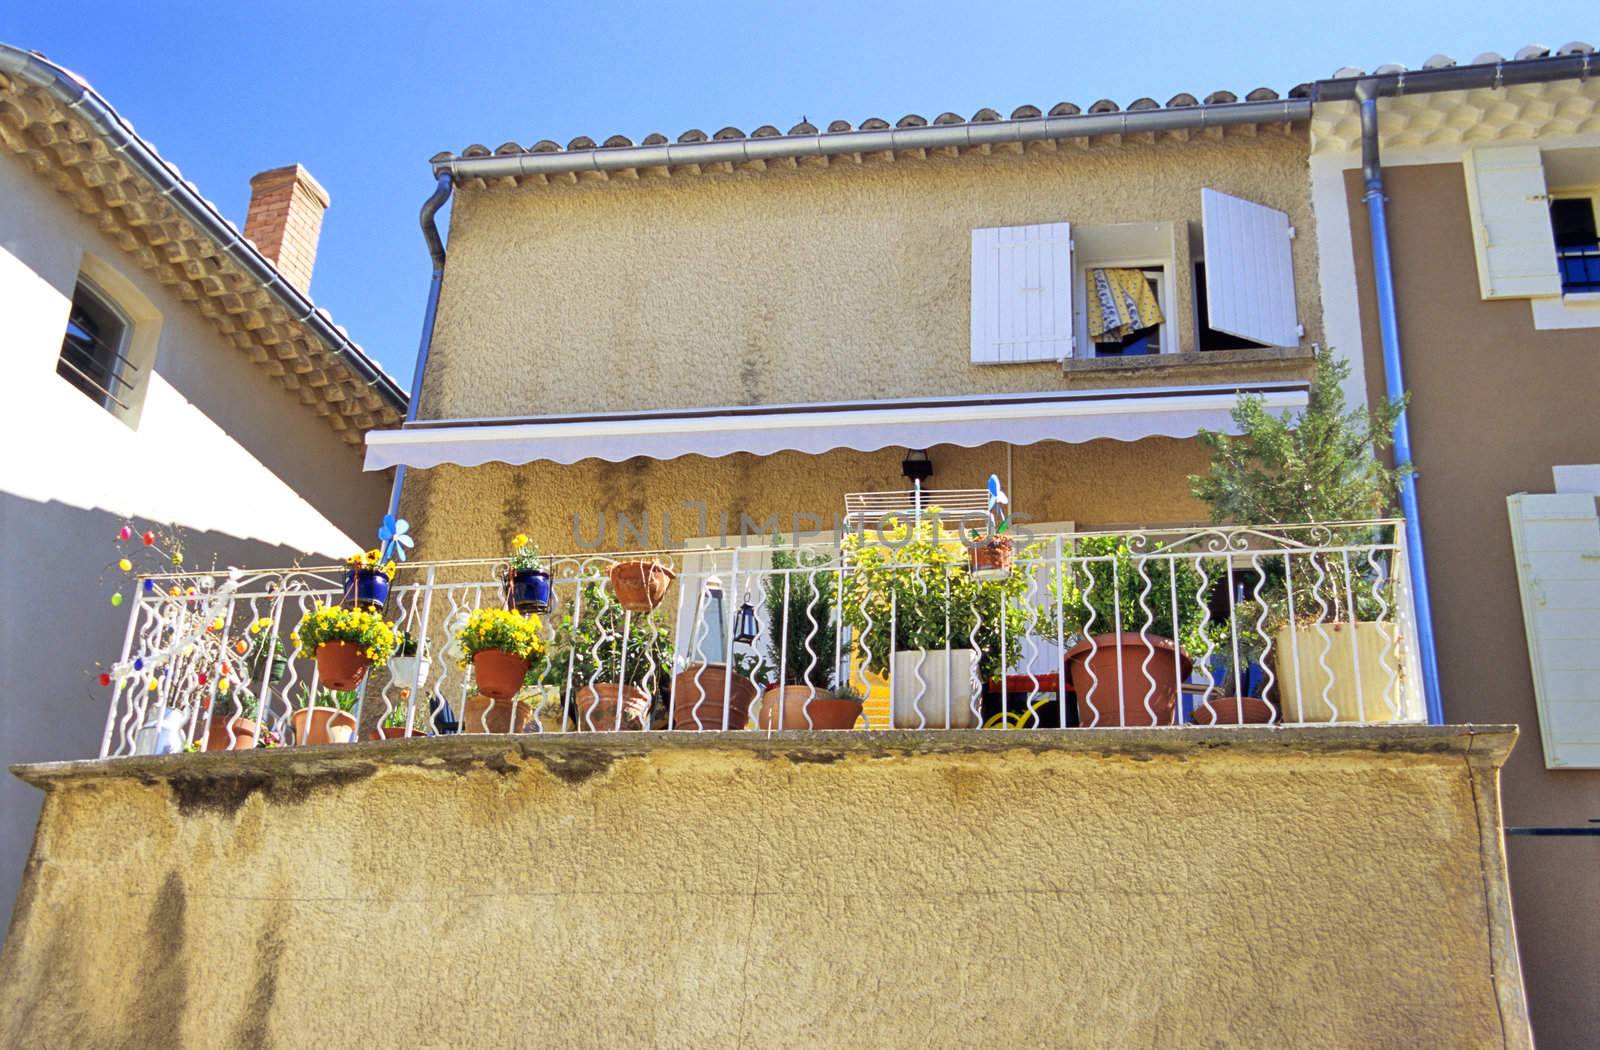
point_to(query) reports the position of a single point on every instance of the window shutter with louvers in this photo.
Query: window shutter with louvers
(1511, 231)
(1249, 270)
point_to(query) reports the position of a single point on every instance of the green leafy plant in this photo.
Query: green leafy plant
(408, 644)
(807, 651)
(917, 579)
(342, 699)
(1098, 589)
(590, 641)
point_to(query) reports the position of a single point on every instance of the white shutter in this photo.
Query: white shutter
(1556, 539)
(1511, 223)
(1249, 270)
(1022, 293)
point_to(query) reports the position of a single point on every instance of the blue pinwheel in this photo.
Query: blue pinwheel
(392, 536)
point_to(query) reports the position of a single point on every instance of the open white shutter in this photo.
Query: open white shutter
(1022, 293)
(1511, 223)
(1556, 539)
(1249, 270)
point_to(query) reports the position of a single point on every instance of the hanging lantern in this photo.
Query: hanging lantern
(745, 627)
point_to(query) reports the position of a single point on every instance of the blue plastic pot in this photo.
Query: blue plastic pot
(366, 589)
(528, 590)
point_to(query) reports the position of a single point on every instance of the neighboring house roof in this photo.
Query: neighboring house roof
(68, 134)
(695, 151)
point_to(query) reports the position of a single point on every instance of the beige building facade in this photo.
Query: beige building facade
(828, 282)
(199, 407)
(1504, 386)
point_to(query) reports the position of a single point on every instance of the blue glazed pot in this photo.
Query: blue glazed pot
(528, 590)
(366, 589)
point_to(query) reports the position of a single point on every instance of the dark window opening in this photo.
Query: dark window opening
(92, 350)
(1572, 220)
(1210, 338)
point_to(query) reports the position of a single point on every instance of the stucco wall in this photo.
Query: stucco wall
(473, 512)
(1099, 888)
(1495, 403)
(249, 474)
(812, 284)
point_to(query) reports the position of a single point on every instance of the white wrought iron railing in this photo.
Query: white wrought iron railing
(1217, 626)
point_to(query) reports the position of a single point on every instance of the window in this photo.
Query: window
(1572, 221)
(94, 350)
(1210, 338)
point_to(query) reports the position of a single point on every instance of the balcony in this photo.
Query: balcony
(919, 626)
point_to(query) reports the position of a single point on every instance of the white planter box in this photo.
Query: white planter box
(932, 689)
(403, 670)
(1367, 682)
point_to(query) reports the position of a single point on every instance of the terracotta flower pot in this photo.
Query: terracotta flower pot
(499, 674)
(991, 557)
(826, 711)
(341, 665)
(242, 737)
(1225, 711)
(698, 696)
(487, 714)
(323, 725)
(640, 585)
(1096, 664)
(394, 733)
(596, 707)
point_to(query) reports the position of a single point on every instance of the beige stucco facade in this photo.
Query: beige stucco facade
(1103, 888)
(817, 283)
(841, 282)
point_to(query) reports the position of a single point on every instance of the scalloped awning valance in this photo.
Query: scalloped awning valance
(1019, 419)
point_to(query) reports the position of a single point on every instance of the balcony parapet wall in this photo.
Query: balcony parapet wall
(1320, 886)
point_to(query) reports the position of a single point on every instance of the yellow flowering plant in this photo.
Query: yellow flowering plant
(365, 629)
(502, 629)
(372, 559)
(524, 552)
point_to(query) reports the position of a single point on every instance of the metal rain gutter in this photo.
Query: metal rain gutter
(94, 110)
(932, 136)
(1457, 78)
(430, 233)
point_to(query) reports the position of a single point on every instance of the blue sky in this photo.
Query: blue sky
(363, 93)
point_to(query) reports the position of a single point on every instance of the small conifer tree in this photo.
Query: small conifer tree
(1321, 466)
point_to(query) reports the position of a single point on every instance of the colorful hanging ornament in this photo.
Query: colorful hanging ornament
(201, 678)
(125, 565)
(124, 533)
(105, 679)
(116, 599)
(149, 539)
(149, 586)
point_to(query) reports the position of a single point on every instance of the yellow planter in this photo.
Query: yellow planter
(1367, 665)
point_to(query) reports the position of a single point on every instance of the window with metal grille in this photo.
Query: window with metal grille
(1572, 220)
(94, 350)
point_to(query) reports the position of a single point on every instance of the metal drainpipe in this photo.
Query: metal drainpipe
(1394, 382)
(430, 233)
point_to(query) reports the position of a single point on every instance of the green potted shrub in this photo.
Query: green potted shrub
(613, 680)
(234, 719)
(910, 592)
(802, 647)
(324, 718)
(1319, 467)
(1126, 667)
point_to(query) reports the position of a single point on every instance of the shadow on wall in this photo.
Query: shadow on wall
(57, 574)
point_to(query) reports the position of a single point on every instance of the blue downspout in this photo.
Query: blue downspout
(1395, 386)
(430, 233)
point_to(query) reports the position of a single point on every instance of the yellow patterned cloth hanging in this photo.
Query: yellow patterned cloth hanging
(1121, 302)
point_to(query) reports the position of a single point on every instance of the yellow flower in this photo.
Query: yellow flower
(519, 540)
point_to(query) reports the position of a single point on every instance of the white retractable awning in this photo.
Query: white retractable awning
(1019, 419)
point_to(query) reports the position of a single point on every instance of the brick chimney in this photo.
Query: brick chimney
(285, 218)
